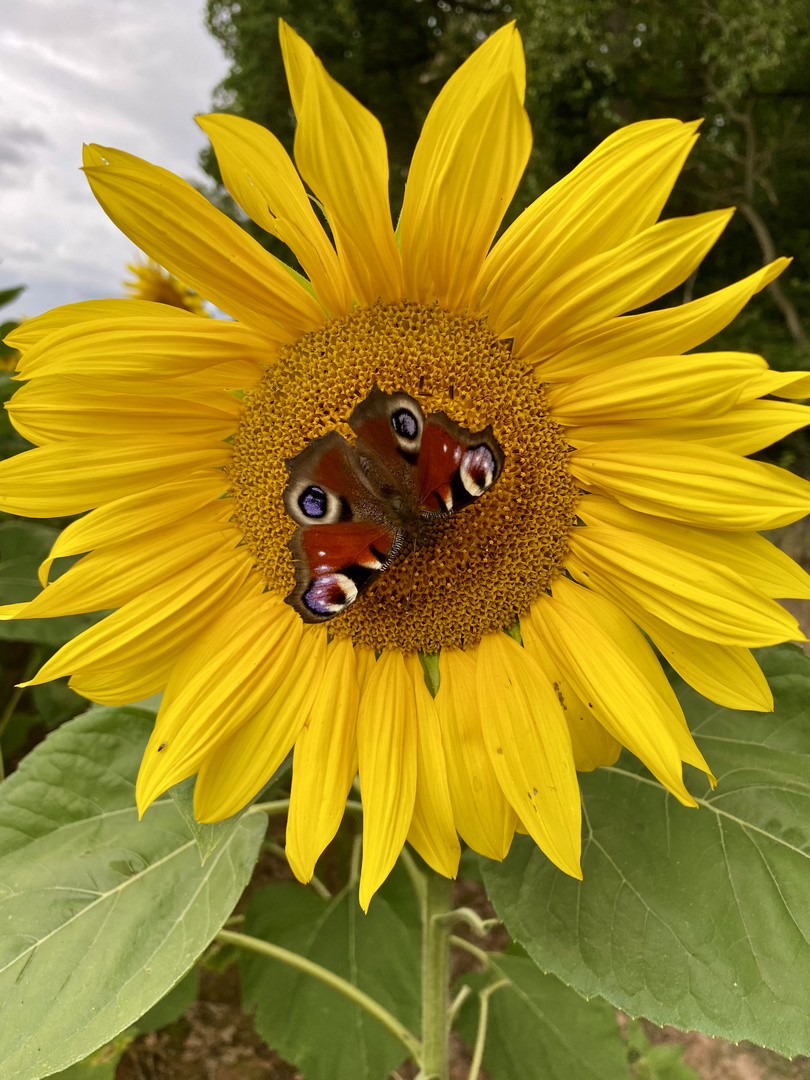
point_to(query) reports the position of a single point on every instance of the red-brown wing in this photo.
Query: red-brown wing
(334, 564)
(326, 484)
(456, 466)
(344, 540)
(389, 434)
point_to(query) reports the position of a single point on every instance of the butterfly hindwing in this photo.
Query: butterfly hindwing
(335, 563)
(455, 466)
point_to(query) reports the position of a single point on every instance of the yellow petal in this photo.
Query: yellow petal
(386, 758)
(592, 745)
(628, 639)
(693, 485)
(124, 687)
(726, 674)
(365, 659)
(177, 226)
(438, 150)
(260, 176)
(626, 277)
(483, 817)
(144, 347)
(158, 623)
(225, 676)
(432, 831)
(744, 429)
(340, 151)
(788, 384)
(32, 331)
(58, 408)
(701, 598)
(750, 555)
(654, 333)
(325, 761)
(124, 518)
(236, 769)
(607, 671)
(697, 385)
(616, 192)
(530, 749)
(69, 477)
(117, 574)
(473, 192)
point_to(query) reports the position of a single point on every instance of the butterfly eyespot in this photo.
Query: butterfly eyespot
(478, 470)
(405, 424)
(330, 594)
(313, 502)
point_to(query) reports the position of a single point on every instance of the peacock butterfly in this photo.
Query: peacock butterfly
(359, 506)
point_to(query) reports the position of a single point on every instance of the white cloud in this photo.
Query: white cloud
(116, 72)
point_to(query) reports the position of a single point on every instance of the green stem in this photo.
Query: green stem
(435, 977)
(473, 950)
(278, 806)
(481, 1034)
(372, 1007)
(418, 879)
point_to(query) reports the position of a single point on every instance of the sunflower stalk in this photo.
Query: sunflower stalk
(438, 903)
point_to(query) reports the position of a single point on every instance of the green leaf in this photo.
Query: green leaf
(8, 296)
(312, 1026)
(102, 914)
(25, 540)
(172, 1005)
(538, 1027)
(23, 546)
(102, 1064)
(663, 1062)
(209, 838)
(696, 918)
(11, 442)
(56, 702)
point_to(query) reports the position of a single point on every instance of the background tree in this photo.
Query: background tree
(593, 65)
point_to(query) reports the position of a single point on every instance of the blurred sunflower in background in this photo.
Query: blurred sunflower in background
(626, 507)
(150, 281)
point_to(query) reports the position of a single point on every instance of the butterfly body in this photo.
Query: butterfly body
(358, 507)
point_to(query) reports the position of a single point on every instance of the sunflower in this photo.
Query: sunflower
(626, 517)
(150, 281)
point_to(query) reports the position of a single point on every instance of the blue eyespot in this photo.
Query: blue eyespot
(405, 424)
(313, 502)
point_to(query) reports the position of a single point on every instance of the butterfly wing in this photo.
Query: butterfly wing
(455, 466)
(344, 540)
(389, 436)
(431, 460)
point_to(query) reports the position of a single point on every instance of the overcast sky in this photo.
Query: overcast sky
(123, 73)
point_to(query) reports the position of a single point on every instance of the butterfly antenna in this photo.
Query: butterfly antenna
(410, 584)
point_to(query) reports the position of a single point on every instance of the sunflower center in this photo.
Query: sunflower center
(482, 567)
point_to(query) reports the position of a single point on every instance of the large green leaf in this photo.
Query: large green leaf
(101, 914)
(538, 1027)
(209, 838)
(311, 1025)
(697, 918)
